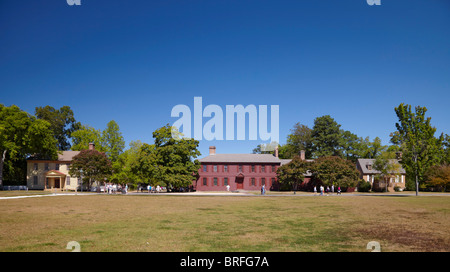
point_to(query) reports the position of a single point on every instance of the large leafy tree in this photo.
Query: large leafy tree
(124, 168)
(22, 135)
(62, 123)
(91, 166)
(112, 140)
(334, 170)
(146, 166)
(170, 161)
(85, 135)
(300, 139)
(372, 149)
(294, 172)
(326, 136)
(327, 139)
(351, 145)
(415, 137)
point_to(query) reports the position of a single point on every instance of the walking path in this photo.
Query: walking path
(241, 193)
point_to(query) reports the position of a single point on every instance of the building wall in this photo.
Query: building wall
(66, 183)
(252, 180)
(378, 183)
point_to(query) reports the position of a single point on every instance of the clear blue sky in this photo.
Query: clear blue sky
(132, 61)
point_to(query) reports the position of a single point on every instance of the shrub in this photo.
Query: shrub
(364, 186)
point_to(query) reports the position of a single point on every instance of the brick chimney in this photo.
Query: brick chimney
(302, 154)
(91, 146)
(276, 151)
(212, 150)
(399, 155)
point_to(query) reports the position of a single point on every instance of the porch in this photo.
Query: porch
(54, 180)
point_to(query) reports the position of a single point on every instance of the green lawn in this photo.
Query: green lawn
(225, 223)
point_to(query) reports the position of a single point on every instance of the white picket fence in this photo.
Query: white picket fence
(15, 188)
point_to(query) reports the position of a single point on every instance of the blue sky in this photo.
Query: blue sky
(133, 61)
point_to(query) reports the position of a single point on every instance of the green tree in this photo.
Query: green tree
(85, 135)
(446, 150)
(169, 161)
(112, 140)
(294, 172)
(415, 137)
(351, 145)
(91, 165)
(388, 167)
(334, 170)
(145, 165)
(299, 139)
(375, 148)
(62, 123)
(22, 135)
(124, 167)
(326, 136)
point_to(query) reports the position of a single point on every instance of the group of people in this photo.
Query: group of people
(327, 190)
(112, 189)
(153, 189)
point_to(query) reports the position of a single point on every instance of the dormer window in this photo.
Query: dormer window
(369, 166)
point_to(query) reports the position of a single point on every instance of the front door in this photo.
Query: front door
(57, 183)
(239, 183)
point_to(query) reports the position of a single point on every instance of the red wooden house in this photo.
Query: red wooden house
(239, 171)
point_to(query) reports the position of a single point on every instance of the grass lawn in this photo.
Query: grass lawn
(225, 223)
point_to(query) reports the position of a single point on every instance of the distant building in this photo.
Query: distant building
(368, 173)
(51, 175)
(239, 171)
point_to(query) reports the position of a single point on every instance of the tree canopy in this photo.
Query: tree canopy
(22, 135)
(91, 165)
(334, 170)
(294, 172)
(110, 140)
(326, 138)
(62, 122)
(169, 161)
(85, 135)
(415, 138)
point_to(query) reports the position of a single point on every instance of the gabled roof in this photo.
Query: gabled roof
(64, 156)
(241, 158)
(285, 161)
(67, 155)
(363, 165)
(53, 173)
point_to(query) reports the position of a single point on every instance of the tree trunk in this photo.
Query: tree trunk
(417, 178)
(2, 161)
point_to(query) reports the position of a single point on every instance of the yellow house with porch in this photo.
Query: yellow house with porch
(51, 175)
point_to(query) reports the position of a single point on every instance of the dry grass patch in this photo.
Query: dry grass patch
(208, 223)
